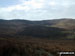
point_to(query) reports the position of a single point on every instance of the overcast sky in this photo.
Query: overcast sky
(37, 9)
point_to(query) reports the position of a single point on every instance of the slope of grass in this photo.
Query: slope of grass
(34, 47)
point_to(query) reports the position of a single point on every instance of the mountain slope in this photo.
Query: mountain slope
(52, 29)
(65, 23)
(43, 32)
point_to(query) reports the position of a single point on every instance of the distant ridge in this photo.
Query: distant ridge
(52, 29)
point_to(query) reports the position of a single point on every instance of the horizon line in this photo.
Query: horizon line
(37, 20)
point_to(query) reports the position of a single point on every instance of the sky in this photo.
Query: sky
(37, 9)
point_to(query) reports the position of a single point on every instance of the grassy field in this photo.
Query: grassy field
(34, 47)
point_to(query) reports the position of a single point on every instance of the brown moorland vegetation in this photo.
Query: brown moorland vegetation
(36, 38)
(34, 47)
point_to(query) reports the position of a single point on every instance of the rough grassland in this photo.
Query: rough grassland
(34, 47)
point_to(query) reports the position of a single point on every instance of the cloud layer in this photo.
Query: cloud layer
(38, 9)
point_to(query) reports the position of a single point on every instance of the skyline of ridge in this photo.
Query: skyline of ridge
(41, 19)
